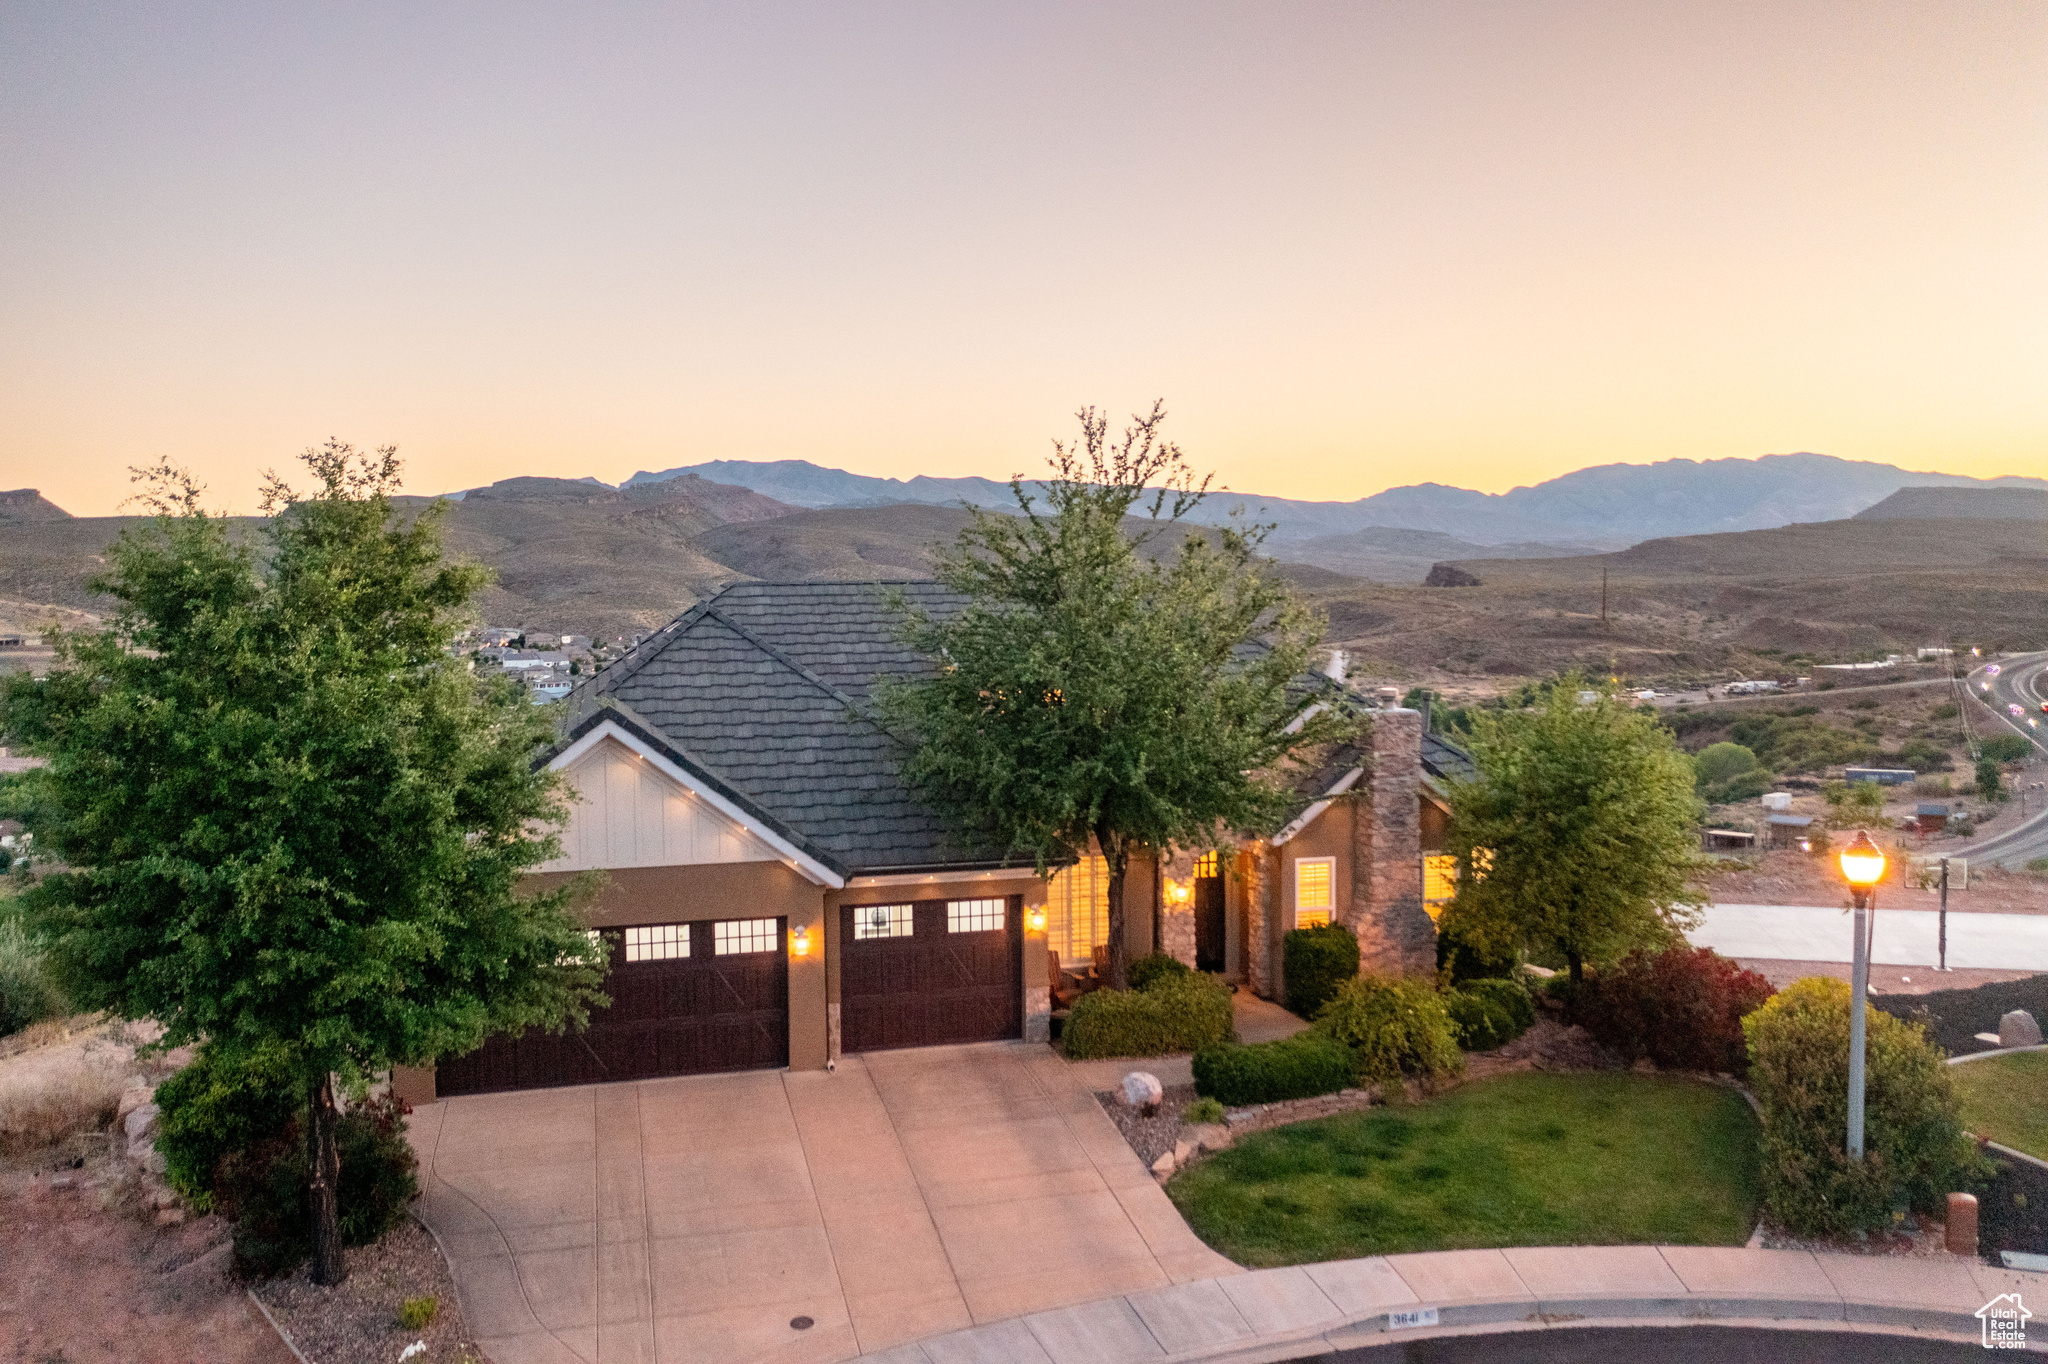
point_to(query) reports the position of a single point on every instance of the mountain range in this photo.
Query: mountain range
(1608, 506)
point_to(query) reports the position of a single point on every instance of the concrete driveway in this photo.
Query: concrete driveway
(693, 1219)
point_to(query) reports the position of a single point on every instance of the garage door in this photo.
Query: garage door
(933, 971)
(686, 998)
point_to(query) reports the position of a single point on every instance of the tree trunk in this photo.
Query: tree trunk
(1117, 854)
(325, 1160)
(1573, 960)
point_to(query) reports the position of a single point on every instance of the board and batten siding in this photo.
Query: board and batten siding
(629, 815)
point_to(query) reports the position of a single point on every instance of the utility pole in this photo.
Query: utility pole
(1944, 916)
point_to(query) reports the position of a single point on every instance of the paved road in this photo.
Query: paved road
(1902, 937)
(1666, 1344)
(2022, 681)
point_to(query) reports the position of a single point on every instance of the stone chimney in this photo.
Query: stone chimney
(1395, 933)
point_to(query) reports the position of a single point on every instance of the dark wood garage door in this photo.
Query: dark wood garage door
(680, 1006)
(933, 971)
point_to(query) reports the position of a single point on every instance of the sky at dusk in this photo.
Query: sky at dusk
(1351, 245)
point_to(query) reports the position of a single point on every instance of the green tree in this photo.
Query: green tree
(290, 822)
(1579, 830)
(1717, 763)
(1102, 683)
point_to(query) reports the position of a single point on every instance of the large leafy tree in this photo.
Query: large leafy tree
(289, 821)
(1116, 678)
(1579, 832)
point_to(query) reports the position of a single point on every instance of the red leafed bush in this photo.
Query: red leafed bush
(1682, 1007)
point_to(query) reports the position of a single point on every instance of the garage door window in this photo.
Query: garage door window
(733, 936)
(883, 921)
(657, 942)
(975, 916)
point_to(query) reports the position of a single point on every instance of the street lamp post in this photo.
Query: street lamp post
(1862, 867)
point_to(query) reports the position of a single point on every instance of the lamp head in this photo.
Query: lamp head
(1035, 918)
(800, 942)
(1862, 863)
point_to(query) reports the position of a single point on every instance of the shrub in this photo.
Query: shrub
(1746, 786)
(1176, 1013)
(2005, 748)
(263, 1189)
(1146, 971)
(1915, 1150)
(1717, 763)
(1682, 1007)
(416, 1314)
(217, 1105)
(1489, 1013)
(1393, 1027)
(47, 1107)
(1989, 783)
(1201, 1111)
(27, 994)
(1314, 962)
(1458, 960)
(1297, 1067)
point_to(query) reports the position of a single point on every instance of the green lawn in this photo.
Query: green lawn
(1520, 1160)
(2006, 1099)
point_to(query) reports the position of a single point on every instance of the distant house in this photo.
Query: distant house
(498, 636)
(12, 641)
(521, 660)
(1931, 817)
(1883, 776)
(1785, 831)
(550, 687)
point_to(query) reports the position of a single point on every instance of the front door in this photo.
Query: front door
(919, 973)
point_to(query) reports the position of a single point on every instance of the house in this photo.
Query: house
(520, 660)
(1930, 817)
(498, 636)
(1788, 830)
(775, 896)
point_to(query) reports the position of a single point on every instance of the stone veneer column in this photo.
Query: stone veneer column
(1395, 933)
(1258, 919)
(1177, 922)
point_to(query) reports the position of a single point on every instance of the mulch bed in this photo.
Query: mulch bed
(357, 1321)
(2012, 1213)
(1150, 1137)
(1954, 1017)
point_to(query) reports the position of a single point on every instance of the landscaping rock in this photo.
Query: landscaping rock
(2018, 1029)
(1143, 1091)
(1163, 1167)
(1183, 1152)
(1210, 1136)
(140, 1126)
(138, 1093)
(1644, 1066)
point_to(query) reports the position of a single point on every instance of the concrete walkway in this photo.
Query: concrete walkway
(1903, 937)
(910, 1194)
(1311, 1310)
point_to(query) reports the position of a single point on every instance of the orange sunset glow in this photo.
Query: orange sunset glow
(1352, 245)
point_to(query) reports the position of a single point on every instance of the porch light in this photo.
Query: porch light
(800, 943)
(1862, 865)
(1178, 892)
(1035, 918)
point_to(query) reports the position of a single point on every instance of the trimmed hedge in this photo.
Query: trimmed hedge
(1176, 1013)
(216, 1107)
(1314, 962)
(1297, 1067)
(1393, 1027)
(1489, 1013)
(1915, 1150)
(1682, 1007)
(1147, 971)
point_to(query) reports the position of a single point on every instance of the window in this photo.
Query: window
(596, 940)
(1439, 881)
(1314, 890)
(657, 942)
(745, 935)
(976, 916)
(1077, 910)
(1205, 865)
(882, 921)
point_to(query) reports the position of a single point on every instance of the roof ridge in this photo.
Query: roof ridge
(641, 654)
(780, 657)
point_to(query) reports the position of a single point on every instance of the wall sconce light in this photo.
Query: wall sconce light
(800, 943)
(1034, 918)
(1178, 892)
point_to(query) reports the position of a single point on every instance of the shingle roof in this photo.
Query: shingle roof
(759, 691)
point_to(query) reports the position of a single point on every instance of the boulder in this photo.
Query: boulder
(138, 1093)
(140, 1124)
(1143, 1091)
(1183, 1152)
(1163, 1166)
(2018, 1029)
(1210, 1136)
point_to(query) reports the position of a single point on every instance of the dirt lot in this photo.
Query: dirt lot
(1788, 877)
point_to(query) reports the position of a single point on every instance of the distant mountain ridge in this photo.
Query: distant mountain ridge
(1606, 506)
(1949, 504)
(20, 506)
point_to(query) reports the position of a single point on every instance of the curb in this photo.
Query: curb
(296, 1352)
(1969, 1056)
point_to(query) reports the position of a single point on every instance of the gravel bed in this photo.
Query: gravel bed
(357, 1322)
(1150, 1137)
(1954, 1017)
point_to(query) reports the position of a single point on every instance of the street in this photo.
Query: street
(1666, 1344)
(2021, 680)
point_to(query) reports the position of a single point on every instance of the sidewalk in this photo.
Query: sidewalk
(1902, 937)
(1285, 1314)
